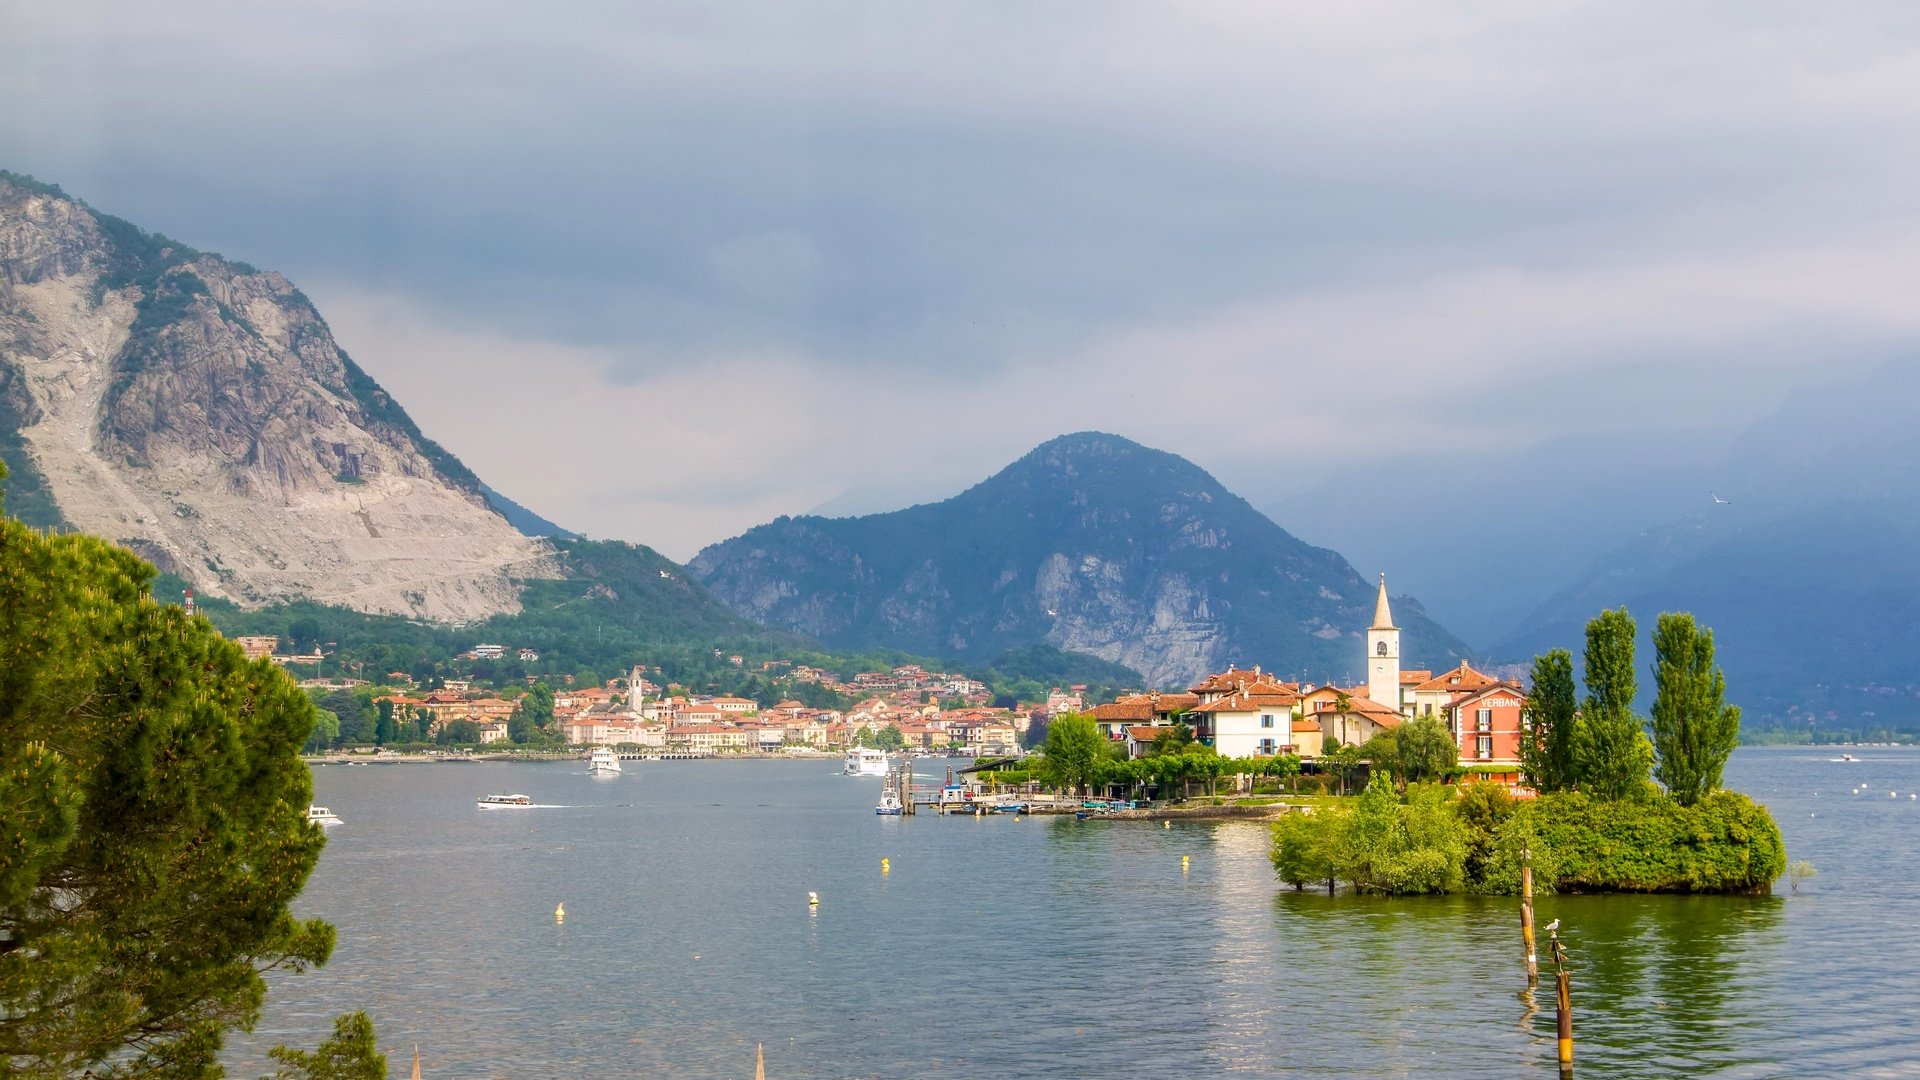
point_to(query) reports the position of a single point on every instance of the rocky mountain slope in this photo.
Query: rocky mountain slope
(1090, 543)
(198, 411)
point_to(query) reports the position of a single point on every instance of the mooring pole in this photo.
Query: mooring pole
(1526, 915)
(1563, 1001)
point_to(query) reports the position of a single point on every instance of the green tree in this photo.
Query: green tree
(326, 728)
(1548, 732)
(1304, 846)
(154, 828)
(1424, 750)
(1343, 761)
(531, 714)
(349, 1055)
(1613, 755)
(1398, 848)
(458, 733)
(1694, 729)
(1072, 749)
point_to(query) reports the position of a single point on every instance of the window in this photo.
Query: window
(1266, 746)
(1429, 708)
(1378, 650)
(1266, 719)
(1485, 747)
(1483, 720)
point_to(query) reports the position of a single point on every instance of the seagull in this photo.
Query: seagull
(1552, 926)
(1718, 501)
(666, 575)
(1052, 613)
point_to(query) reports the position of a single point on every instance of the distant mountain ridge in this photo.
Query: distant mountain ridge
(1809, 571)
(1090, 543)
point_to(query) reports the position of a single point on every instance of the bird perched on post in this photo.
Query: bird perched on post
(1552, 926)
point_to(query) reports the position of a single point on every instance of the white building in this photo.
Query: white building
(1383, 654)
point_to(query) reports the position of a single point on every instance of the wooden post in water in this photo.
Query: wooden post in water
(1526, 915)
(1563, 1001)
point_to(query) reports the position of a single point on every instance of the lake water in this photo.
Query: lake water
(1050, 947)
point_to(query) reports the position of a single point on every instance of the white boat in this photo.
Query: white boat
(321, 816)
(505, 802)
(603, 762)
(889, 801)
(862, 761)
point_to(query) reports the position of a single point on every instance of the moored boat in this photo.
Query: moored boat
(505, 802)
(321, 816)
(889, 801)
(603, 762)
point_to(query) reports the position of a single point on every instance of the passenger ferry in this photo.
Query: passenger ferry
(603, 762)
(505, 802)
(862, 761)
(321, 816)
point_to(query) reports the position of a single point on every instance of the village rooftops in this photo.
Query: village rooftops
(1459, 680)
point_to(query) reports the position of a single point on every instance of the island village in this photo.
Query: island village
(1240, 713)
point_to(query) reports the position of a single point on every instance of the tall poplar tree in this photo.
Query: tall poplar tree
(152, 820)
(1694, 729)
(1613, 757)
(1547, 750)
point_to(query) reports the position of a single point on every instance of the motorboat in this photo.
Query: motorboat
(603, 762)
(321, 816)
(889, 801)
(863, 761)
(505, 802)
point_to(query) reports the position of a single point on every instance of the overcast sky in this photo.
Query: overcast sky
(663, 271)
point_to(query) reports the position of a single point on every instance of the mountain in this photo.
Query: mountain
(1090, 543)
(528, 522)
(1808, 569)
(198, 411)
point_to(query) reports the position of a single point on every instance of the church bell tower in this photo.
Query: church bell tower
(1383, 654)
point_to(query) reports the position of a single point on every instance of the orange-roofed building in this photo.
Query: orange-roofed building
(1433, 696)
(1248, 723)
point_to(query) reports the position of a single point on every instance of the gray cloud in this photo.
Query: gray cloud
(842, 253)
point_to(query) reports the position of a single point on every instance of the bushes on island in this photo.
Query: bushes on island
(1724, 843)
(1381, 845)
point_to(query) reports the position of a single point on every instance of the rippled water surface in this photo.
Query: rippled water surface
(1049, 947)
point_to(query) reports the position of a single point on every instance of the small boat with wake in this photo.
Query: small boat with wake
(505, 802)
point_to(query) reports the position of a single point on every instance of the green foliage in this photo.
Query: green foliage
(1694, 729)
(27, 496)
(1072, 750)
(532, 717)
(1798, 872)
(349, 1055)
(1424, 750)
(1305, 846)
(1483, 808)
(1547, 743)
(1724, 843)
(155, 826)
(1613, 756)
(326, 732)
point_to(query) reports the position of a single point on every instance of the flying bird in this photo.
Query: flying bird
(1718, 501)
(666, 575)
(1051, 613)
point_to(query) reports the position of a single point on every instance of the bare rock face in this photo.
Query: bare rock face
(199, 411)
(1091, 544)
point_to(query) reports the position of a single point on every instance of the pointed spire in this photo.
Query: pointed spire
(1382, 613)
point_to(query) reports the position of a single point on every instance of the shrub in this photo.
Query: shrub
(1724, 844)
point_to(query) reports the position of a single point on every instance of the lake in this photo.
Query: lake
(1051, 947)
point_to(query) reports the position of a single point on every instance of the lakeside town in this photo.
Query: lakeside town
(1239, 713)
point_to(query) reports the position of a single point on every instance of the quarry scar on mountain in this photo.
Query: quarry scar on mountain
(199, 412)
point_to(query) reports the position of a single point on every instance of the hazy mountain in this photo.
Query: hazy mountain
(1809, 572)
(1090, 543)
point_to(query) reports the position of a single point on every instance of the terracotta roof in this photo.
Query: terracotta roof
(1249, 702)
(1306, 725)
(1513, 688)
(1124, 709)
(1229, 679)
(1458, 680)
(1145, 734)
(1419, 676)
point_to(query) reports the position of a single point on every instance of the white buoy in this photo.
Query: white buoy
(560, 913)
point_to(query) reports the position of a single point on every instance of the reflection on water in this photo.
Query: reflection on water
(1047, 947)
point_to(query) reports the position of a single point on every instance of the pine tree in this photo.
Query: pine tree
(1694, 729)
(1611, 754)
(152, 820)
(1547, 750)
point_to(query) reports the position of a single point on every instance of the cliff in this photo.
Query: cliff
(198, 411)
